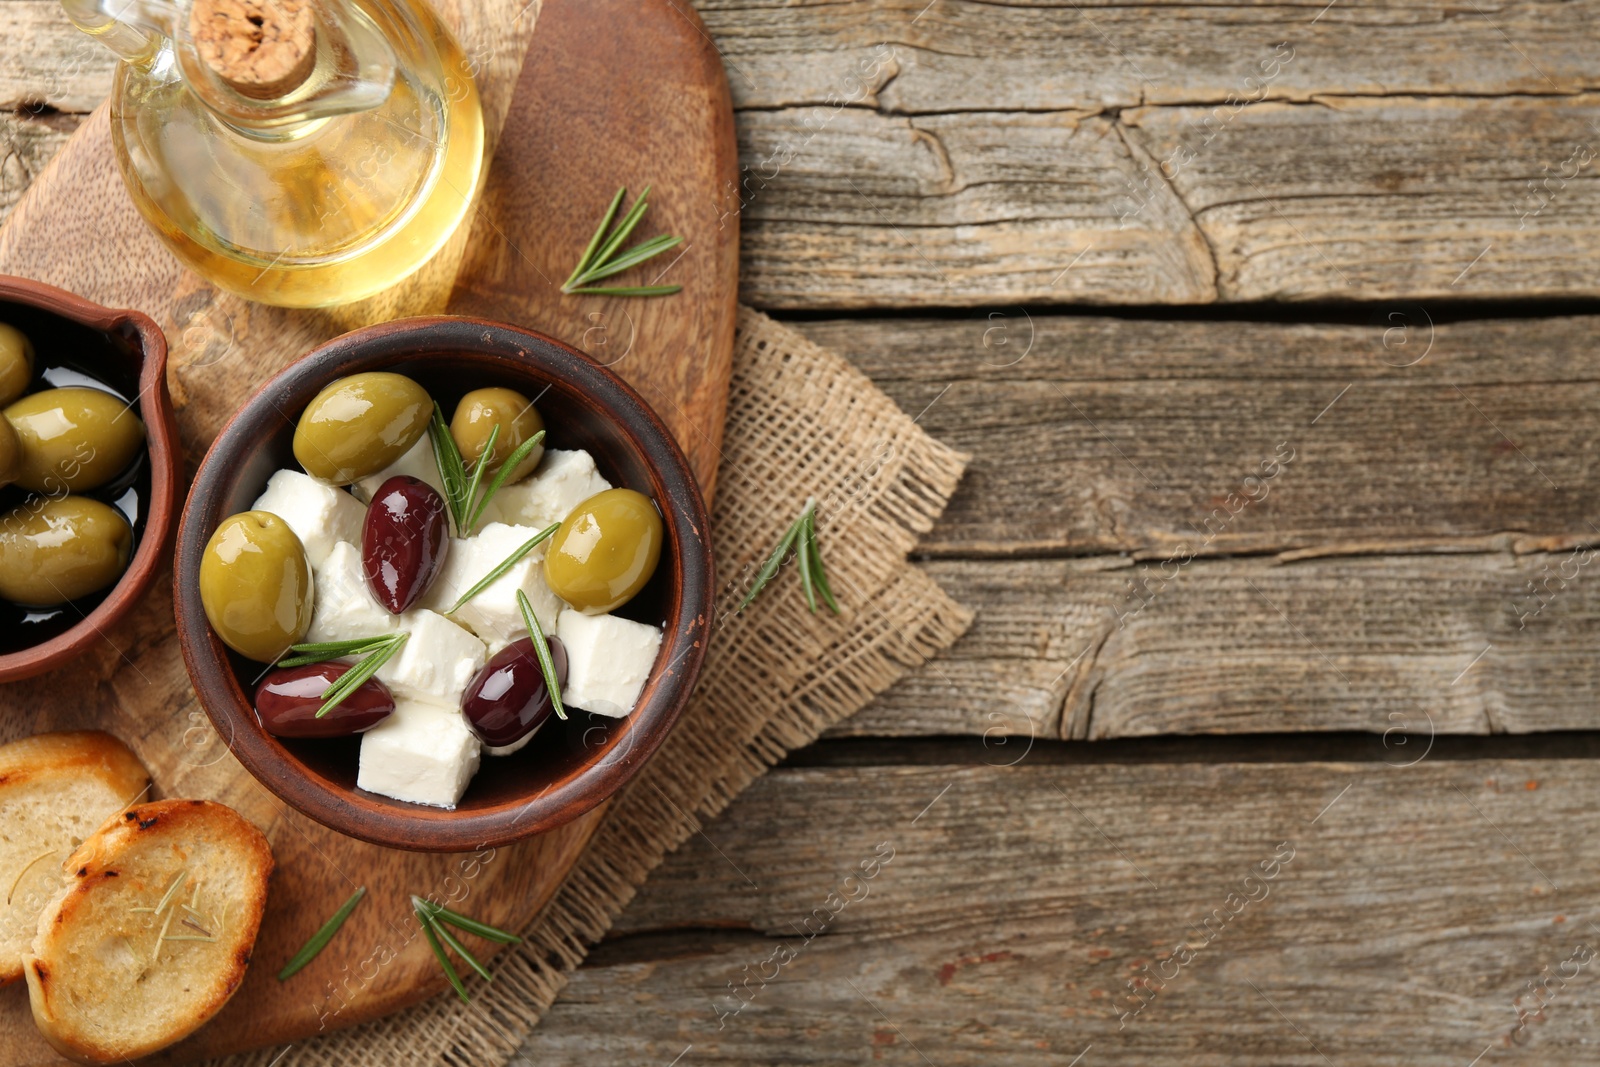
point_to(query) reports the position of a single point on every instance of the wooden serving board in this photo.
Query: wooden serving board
(613, 92)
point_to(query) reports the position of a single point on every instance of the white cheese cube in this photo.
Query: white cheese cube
(320, 515)
(423, 753)
(608, 660)
(418, 463)
(437, 660)
(563, 481)
(344, 609)
(493, 614)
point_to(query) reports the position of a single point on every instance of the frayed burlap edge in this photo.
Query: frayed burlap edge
(801, 423)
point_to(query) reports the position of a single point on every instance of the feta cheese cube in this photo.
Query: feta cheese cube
(320, 515)
(344, 608)
(418, 463)
(608, 660)
(437, 660)
(493, 614)
(563, 481)
(423, 753)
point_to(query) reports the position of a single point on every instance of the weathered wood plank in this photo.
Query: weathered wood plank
(1366, 198)
(898, 154)
(1058, 54)
(1417, 906)
(1093, 434)
(1105, 648)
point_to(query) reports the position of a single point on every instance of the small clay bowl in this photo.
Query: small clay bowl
(126, 352)
(568, 767)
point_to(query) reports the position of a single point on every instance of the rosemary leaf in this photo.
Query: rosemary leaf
(438, 950)
(802, 549)
(505, 565)
(471, 926)
(461, 950)
(623, 231)
(326, 650)
(599, 235)
(820, 575)
(514, 460)
(452, 469)
(320, 939)
(623, 290)
(357, 676)
(541, 648)
(770, 568)
(476, 480)
(633, 257)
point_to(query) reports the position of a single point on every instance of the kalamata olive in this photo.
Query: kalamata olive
(59, 550)
(73, 439)
(359, 425)
(10, 453)
(480, 411)
(16, 363)
(404, 541)
(255, 585)
(605, 551)
(507, 700)
(287, 701)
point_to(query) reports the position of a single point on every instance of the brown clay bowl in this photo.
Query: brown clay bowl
(125, 351)
(568, 767)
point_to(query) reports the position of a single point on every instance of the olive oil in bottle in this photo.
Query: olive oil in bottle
(302, 153)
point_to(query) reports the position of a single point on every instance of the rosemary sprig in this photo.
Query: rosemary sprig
(504, 472)
(541, 648)
(433, 917)
(319, 651)
(504, 565)
(460, 486)
(320, 939)
(357, 676)
(603, 257)
(452, 471)
(801, 537)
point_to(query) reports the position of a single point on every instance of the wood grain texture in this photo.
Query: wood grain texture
(1106, 648)
(1093, 434)
(897, 154)
(1019, 903)
(76, 227)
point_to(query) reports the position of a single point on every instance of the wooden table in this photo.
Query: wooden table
(1269, 329)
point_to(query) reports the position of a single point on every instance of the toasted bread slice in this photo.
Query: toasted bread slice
(55, 790)
(152, 933)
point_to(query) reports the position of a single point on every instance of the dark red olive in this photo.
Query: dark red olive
(288, 698)
(506, 701)
(404, 541)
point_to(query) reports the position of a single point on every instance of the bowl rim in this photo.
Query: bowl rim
(161, 445)
(375, 819)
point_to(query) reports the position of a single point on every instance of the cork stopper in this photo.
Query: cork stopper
(261, 48)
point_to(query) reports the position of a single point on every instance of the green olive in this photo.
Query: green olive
(361, 424)
(74, 438)
(53, 551)
(480, 411)
(10, 453)
(256, 585)
(16, 363)
(605, 551)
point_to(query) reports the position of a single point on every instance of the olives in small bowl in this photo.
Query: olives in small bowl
(571, 764)
(88, 471)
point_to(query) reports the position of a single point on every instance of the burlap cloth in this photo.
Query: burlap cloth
(801, 423)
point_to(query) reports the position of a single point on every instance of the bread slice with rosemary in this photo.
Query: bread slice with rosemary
(152, 931)
(55, 790)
